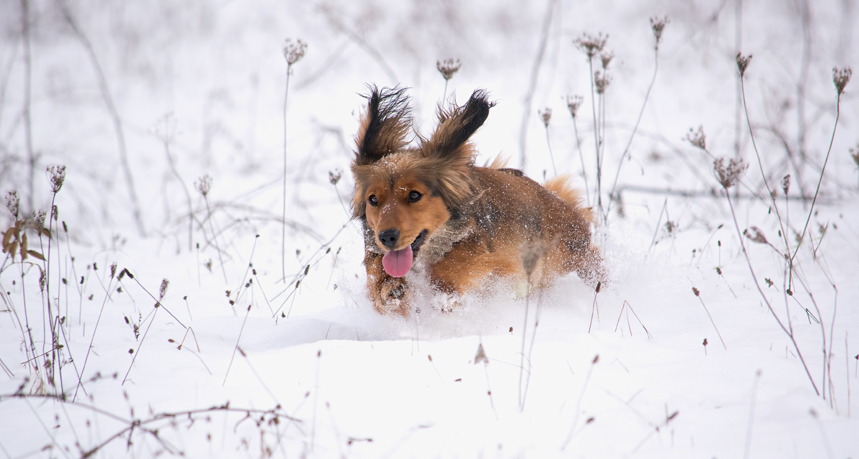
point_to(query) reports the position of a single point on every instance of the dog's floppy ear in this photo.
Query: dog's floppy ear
(455, 127)
(383, 126)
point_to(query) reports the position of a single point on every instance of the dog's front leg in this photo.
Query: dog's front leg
(389, 294)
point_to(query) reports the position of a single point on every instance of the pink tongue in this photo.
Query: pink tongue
(398, 262)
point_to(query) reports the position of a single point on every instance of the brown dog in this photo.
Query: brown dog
(428, 209)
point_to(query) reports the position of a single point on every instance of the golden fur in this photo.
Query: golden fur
(457, 222)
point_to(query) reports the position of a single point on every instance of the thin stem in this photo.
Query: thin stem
(112, 111)
(635, 128)
(582, 158)
(551, 156)
(769, 306)
(820, 180)
(215, 237)
(28, 125)
(283, 227)
(596, 128)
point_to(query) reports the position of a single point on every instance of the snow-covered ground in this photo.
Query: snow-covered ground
(237, 362)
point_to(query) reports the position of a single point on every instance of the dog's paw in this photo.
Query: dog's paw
(392, 296)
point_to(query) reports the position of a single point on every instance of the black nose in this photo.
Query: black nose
(389, 237)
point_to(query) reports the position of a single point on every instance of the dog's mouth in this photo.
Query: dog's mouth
(398, 262)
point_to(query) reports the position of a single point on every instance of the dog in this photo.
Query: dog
(427, 209)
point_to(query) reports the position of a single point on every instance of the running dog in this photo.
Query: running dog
(426, 209)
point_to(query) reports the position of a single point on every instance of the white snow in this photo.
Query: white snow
(312, 370)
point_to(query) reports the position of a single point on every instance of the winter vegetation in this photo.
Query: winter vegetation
(181, 274)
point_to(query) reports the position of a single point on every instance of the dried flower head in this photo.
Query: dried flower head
(293, 51)
(546, 115)
(697, 138)
(606, 58)
(58, 176)
(204, 185)
(785, 184)
(658, 24)
(841, 77)
(448, 67)
(39, 219)
(601, 81)
(696, 291)
(754, 234)
(530, 253)
(854, 153)
(480, 357)
(743, 62)
(730, 174)
(334, 176)
(589, 44)
(163, 290)
(573, 104)
(112, 270)
(13, 201)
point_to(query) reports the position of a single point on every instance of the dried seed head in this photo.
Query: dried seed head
(204, 185)
(39, 219)
(854, 153)
(730, 174)
(589, 44)
(605, 59)
(58, 176)
(841, 77)
(546, 115)
(658, 24)
(785, 184)
(293, 51)
(43, 279)
(481, 355)
(448, 67)
(601, 80)
(743, 62)
(755, 235)
(163, 290)
(697, 138)
(530, 253)
(112, 270)
(334, 176)
(12, 202)
(573, 104)
(696, 291)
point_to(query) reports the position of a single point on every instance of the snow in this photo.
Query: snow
(310, 369)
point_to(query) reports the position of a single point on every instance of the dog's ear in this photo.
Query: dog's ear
(455, 127)
(384, 125)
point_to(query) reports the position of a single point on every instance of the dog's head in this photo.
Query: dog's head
(405, 194)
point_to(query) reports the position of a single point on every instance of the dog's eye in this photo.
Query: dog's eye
(414, 196)
(374, 201)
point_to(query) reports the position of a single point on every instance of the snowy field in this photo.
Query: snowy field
(167, 314)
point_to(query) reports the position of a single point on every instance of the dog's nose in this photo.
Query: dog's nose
(389, 237)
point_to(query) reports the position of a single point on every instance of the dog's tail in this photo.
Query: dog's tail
(560, 185)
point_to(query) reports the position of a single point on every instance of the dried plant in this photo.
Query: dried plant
(785, 184)
(334, 176)
(605, 59)
(743, 63)
(448, 67)
(293, 51)
(602, 80)
(840, 77)
(13, 203)
(755, 234)
(58, 176)
(545, 115)
(729, 175)
(591, 45)
(573, 104)
(697, 138)
(854, 153)
(204, 185)
(658, 24)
